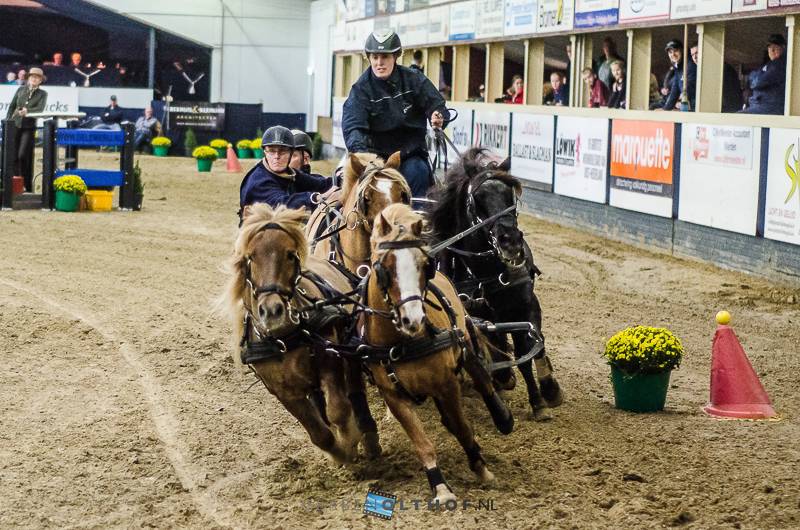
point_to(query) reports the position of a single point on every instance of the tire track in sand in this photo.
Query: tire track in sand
(165, 423)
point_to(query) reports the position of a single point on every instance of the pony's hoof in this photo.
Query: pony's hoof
(371, 445)
(484, 475)
(551, 391)
(443, 496)
(507, 384)
(541, 414)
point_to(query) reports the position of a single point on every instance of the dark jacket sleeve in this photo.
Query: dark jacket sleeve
(430, 99)
(674, 92)
(12, 106)
(774, 74)
(274, 195)
(312, 182)
(39, 102)
(355, 121)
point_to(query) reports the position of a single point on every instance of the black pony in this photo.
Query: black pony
(493, 267)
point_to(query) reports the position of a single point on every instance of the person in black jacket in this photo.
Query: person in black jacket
(274, 182)
(769, 82)
(111, 117)
(388, 110)
(674, 49)
(28, 99)
(731, 88)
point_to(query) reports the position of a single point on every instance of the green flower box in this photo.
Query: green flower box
(160, 150)
(640, 392)
(244, 153)
(66, 201)
(204, 164)
(221, 151)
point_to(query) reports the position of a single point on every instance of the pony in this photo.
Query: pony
(416, 338)
(493, 267)
(270, 298)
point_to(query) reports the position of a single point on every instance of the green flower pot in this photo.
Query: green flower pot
(244, 153)
(640, 392)
(222, 151)
(160, 150)
(204, 164)
(67, 202)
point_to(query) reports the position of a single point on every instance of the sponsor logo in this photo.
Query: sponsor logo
(566, 151)
(792, 166)
(643, 151)
(492, 135)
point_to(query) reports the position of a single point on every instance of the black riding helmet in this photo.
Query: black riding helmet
(278, 135)
(303, 141)
(386, 41)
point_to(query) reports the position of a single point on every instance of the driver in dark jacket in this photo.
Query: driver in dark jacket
(388, 109)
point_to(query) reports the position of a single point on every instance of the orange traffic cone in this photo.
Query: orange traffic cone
(232, 161)
(736, 391)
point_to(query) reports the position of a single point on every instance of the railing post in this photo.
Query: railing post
(49, 163)
(127, 192)
(7, 158)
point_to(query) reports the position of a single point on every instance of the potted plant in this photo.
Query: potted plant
(69, 189)
(161, 145)
(138, 187)
(642, 359)
(243, 149)
(189, 142)
(220, 145)
(255, 147)
(205, 156)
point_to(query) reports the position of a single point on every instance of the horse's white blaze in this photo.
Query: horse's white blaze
(408, 282)
(385, 186)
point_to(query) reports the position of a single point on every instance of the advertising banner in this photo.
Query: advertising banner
(638, 10)
(520, 17)
(698, 8)
(782, 3)
(642, 158)
(581, 158)
(197, 115)
(554, 15)
(749, 5)
(492, 130)
(462, 20)
(532, 149)
(489, 19)
(723, 193)
(438, 24)
(338, 110)
(782, 213)
(59, 98)
(591, 13)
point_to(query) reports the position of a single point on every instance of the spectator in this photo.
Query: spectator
(481, 97)
(417, 64)
(604, 64)
(111, 118)
(58, 60)
(146, 127)
(656, 99)
(516, 90)
(11, 78)
(27, 100)
(768, 84)
(560, 94)
(75, 60)
(674, 50)
(663, 90)
(731, 92)
(617, 99)
(22, 76)
(598, 93)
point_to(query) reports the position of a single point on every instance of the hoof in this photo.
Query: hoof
(501, 414)
(541, 414)
(483, 474)
(551, 391)
(443, 496)
(508, 384)
(371, 445)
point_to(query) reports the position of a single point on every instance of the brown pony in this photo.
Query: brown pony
(272, 285)
(416, 339)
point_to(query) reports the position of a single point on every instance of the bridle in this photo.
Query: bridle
(365, 181)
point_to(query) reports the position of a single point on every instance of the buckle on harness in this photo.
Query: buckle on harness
(393, 356)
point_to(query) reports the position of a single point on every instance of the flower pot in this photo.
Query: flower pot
(137, 203)
(17, 185)
(204, 164)
(640, 392)
(67, 202)
(99, 200)
(160, 150)
(244, 153)
(222, 151)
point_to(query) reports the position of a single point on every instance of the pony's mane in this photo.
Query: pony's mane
(449, 214)
(351, 176)
(258, 216)
(400, 217)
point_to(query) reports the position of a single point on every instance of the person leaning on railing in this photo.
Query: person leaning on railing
(28, 99)
(769, 82)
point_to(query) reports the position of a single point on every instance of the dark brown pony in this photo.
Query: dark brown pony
(273, 282)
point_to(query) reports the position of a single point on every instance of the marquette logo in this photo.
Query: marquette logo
(792, 165)
(642, 151)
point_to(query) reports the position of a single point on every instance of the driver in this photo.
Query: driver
(274, 182)
(388, 109)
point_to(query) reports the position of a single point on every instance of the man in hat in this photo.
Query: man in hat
(111, 117)
(28, 99)
(769, 82)
(674, 49)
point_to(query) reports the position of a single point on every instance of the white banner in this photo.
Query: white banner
(698, 8)
(489, 18)
(581, 158)
(554, 15)
(399, 23)
(59, 99)
(417, 28)
(462, 20)
(720, 146)
(520, 17)
(492, 130)
(782, 212)
(338, 110)
(591, 13)
(748, 5)
(532, 148)
(438, 24)
(716, 195)
(635, 10)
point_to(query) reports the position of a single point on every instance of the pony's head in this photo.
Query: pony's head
(268, 256)
(401, 265)
(370, 186)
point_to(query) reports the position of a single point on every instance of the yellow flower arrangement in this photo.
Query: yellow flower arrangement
(243, 144)
(219, 143)
(161, 141)
(70, 184)
(644, 349)
(255, 145)
(205, 152)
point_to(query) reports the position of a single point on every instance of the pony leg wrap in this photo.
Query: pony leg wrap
(474, 456)
(543, 366)
(435, 478)
(364, 419)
